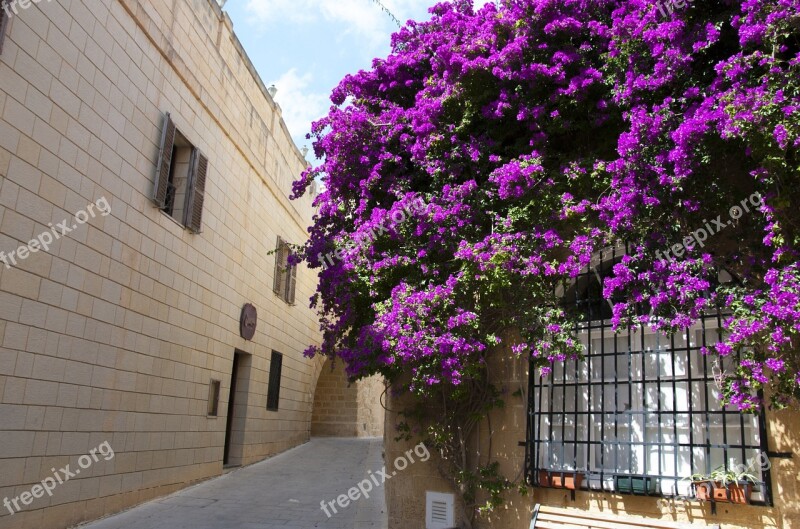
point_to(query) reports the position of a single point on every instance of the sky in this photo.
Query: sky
(305, 47)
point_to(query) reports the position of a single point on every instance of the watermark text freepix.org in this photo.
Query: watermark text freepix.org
(14, 6)
(363, 489)
(397, 217)
(671, 6)
(59, 477)
(699, 237)
(44, 240)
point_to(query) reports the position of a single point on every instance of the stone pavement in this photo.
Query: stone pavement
(282, 492)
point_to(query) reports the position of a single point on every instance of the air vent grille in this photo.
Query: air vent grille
(439, 510)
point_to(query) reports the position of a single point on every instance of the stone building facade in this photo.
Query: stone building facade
(123, 330)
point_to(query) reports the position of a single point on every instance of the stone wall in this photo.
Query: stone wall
(371, 411)
(114, 334)
(405, 493)
(344, 409)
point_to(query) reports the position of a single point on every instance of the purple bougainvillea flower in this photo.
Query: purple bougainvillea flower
(517, 141)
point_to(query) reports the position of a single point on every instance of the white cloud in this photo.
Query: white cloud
(363, 17)
(300, 103)
(300, 106)
(287, 10)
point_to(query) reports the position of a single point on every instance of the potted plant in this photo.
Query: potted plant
(627, 484)
(728, 486)
(703, 486)
(560, 479)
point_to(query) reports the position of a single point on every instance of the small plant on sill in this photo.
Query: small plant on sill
(721, 485)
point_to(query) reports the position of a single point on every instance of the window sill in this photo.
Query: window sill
(171, 218)
(284, 300)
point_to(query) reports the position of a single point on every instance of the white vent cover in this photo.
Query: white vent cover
(439, 510)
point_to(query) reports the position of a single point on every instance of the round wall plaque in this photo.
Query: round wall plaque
(249, 319)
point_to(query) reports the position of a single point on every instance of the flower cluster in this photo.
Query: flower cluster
(539, 132)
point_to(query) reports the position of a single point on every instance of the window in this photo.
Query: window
(5, 15)
(213, 398)
(642, 411)
(274, 390)
(285, 273)
(180, 178)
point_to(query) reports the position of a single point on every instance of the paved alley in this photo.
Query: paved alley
(284, 491)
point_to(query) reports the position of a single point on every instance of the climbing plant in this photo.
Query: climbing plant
(536, 133)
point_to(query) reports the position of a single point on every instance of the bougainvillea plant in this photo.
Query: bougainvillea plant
(538, 132)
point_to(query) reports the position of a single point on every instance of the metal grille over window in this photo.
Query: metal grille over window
(641, 413)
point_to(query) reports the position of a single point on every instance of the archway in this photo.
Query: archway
(344, 409)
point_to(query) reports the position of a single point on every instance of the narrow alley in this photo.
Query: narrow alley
(284, 491)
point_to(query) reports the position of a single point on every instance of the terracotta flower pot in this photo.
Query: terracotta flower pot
(734, 493)
(560, 480)
(704, 490)
(717, 491)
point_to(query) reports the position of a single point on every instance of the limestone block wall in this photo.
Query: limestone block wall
(371, 411)
(405, 493)
(344, 409)
(115, 333)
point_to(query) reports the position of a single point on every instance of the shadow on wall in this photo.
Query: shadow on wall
(344, 409)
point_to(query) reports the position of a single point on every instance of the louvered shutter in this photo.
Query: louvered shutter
(164, 162)
(291, 284)
(279, 284)
(194, 211)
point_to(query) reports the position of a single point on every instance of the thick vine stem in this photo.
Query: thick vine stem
(450, 424)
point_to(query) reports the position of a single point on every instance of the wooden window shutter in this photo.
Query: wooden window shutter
(197, 193)
(281, 256)
(164, 162)
(291, 284)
